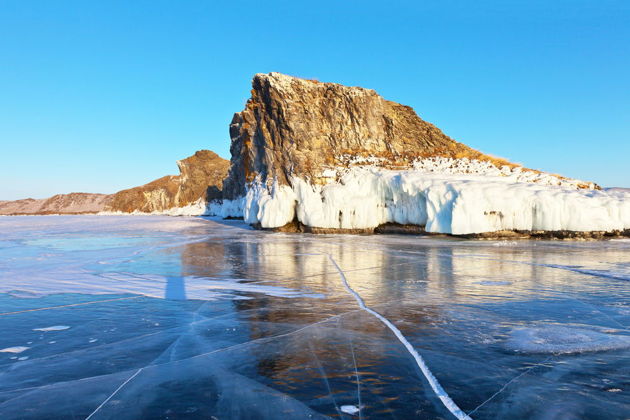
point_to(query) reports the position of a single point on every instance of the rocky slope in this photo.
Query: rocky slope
(201, 177)
(324, 157)
(199, 181)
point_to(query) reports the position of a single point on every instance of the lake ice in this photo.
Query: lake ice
(162, 317)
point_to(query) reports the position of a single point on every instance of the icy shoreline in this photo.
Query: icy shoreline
(455, 202)
(458, 197)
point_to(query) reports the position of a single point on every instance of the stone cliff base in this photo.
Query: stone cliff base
(394, 228)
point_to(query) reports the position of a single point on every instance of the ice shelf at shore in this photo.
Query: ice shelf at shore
(452, 203)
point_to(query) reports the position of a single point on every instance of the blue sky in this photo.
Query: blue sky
(97, 96)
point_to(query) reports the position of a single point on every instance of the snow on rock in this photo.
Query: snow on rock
(457, 203)
(197, 208)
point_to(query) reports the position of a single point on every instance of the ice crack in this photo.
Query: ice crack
(114, 393)
(435, 385)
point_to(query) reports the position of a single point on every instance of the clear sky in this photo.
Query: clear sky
(97, 96)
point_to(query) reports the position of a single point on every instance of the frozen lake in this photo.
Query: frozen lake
(162, 317)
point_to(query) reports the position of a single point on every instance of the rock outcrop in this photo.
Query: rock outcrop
(200, 180)
(293, 127)
(323, 157)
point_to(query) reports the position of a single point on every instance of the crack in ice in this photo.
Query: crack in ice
(325, 378)
(114, 393)
(433, 382)
(509, 382)
(356, 373)
(68, 306)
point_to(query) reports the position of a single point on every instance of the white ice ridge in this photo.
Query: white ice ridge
(454, 203)
(435, 385)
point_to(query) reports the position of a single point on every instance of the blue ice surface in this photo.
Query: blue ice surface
(161, 317)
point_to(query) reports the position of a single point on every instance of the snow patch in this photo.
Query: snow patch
(198, 208)
(350, 409)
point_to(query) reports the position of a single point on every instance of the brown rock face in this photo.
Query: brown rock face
(201, 177)
(73, 203)
(292, 126)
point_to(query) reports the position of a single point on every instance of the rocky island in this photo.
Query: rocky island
(323, 157)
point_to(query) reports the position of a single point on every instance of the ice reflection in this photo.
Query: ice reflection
(200, 318)
(175, 288)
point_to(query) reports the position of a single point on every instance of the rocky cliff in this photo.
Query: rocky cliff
(323, 156)
(201, 177)
(296, 127)
(199, 181)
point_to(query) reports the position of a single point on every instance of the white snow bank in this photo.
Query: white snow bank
(463, 166)
(457, 203)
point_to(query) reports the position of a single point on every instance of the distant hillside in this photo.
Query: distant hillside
(200, 179)
(73, 203)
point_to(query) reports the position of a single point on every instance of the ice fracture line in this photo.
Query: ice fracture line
(68, 306)
(435, 385)
(525, 372)
(114, 393)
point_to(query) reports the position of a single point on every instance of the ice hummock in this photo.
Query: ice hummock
(457, 198)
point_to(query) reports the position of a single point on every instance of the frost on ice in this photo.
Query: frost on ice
(443, 195)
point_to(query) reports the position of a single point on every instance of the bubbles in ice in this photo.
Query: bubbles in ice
(564, 340)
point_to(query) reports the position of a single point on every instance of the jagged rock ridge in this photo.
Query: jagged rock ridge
(201, 177)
